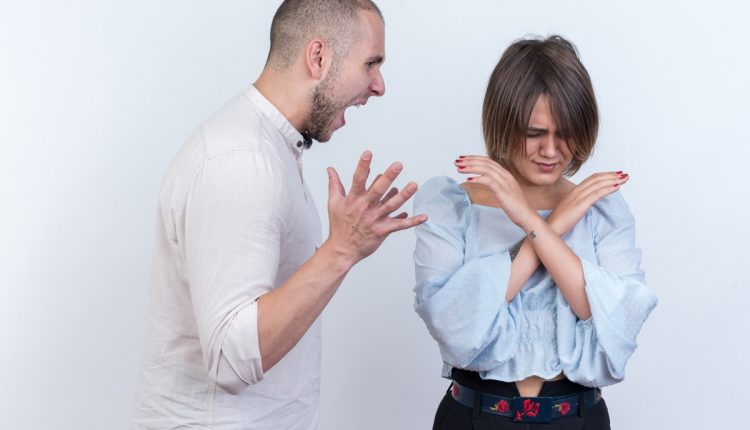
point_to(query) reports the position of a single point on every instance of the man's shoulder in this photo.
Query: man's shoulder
(238, 125)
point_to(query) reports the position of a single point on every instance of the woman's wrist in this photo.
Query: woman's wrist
(532, 222)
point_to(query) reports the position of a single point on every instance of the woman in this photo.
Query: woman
(529, 283)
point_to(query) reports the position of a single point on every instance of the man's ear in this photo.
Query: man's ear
(317, 58)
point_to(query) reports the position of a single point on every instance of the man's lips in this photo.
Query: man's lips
(359, 103)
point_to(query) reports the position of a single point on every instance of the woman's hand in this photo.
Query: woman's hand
(502, 183)
(577, 202)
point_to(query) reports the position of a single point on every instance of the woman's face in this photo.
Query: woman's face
(547, 154)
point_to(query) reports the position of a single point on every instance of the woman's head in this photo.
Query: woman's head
(540, 116)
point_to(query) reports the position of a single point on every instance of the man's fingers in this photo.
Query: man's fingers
(361, 173)
(335, 188)
(400, 198)
(392, 192)
(398, 224)
(375, 180)
(384, 182)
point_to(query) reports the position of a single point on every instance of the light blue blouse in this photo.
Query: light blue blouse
(462, 270)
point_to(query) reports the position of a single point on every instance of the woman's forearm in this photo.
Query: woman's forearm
(561, 263)
(523, 266)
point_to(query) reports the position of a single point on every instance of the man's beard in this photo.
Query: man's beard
(324, 107)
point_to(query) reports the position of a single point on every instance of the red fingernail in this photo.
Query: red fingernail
(618, 172)
(458, 161)
(461, 156)
(461, 167)
(616, 185)
(623, 176)
(469, 179)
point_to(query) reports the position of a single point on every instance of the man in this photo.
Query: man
(240, 274)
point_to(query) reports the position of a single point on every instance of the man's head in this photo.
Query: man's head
(337, 46)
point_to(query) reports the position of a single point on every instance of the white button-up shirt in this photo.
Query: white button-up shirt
(235, 221)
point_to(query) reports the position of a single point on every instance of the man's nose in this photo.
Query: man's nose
(377, 86)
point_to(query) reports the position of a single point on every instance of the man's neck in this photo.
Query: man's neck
(291, 100)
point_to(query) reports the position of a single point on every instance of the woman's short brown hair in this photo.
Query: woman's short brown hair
(526, 70)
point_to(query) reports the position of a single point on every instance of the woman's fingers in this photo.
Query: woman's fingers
(488, 168)
(470, 163)
(601, 186)
(597, 179)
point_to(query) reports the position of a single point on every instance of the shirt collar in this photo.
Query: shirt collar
(293, 138)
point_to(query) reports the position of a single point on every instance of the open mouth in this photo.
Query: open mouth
(341, 120)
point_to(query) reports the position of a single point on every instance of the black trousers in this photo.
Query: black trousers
(452, 415)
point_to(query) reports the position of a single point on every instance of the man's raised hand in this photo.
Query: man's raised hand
(361, 219)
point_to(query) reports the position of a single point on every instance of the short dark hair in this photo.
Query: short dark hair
(336, 22)
(527, 69)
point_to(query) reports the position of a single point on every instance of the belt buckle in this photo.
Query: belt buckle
(532, 409)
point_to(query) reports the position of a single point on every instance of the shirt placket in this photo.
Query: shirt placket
(298, 149)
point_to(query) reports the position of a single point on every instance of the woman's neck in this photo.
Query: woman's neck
(545, 196)
(539, 197)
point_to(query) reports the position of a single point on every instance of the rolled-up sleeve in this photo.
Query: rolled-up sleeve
(461, 302)
(594, 352)
(234, 222)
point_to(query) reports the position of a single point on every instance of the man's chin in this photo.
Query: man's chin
(328, 134)
(326, 137)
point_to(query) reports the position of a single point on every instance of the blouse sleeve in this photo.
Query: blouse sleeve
(461, 302)
(594, 352)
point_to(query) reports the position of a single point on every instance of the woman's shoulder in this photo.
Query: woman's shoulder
(614, 203)
(441, 187)
(441, 193)
(611, 211)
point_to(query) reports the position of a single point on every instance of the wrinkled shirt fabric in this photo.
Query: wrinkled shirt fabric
(235, 221)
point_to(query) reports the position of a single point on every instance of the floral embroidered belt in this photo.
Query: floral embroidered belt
(529, 409)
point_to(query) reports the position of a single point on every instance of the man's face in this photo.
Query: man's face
(351, 80)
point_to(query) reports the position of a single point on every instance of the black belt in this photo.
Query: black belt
(529, 409)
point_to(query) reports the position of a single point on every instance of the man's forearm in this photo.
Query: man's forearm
(286, 313)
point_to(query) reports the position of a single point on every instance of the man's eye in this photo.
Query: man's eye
(533, 134)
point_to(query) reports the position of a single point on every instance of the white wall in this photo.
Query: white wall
(96, 98)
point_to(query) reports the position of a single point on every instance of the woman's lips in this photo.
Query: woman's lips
(546, 167)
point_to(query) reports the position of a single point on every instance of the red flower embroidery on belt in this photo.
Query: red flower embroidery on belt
(455, 390)
(530, 408)
(502, 406)
(563, 408)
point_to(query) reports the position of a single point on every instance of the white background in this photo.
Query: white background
(97, 97)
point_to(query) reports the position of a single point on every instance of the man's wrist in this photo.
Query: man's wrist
(337, 257)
